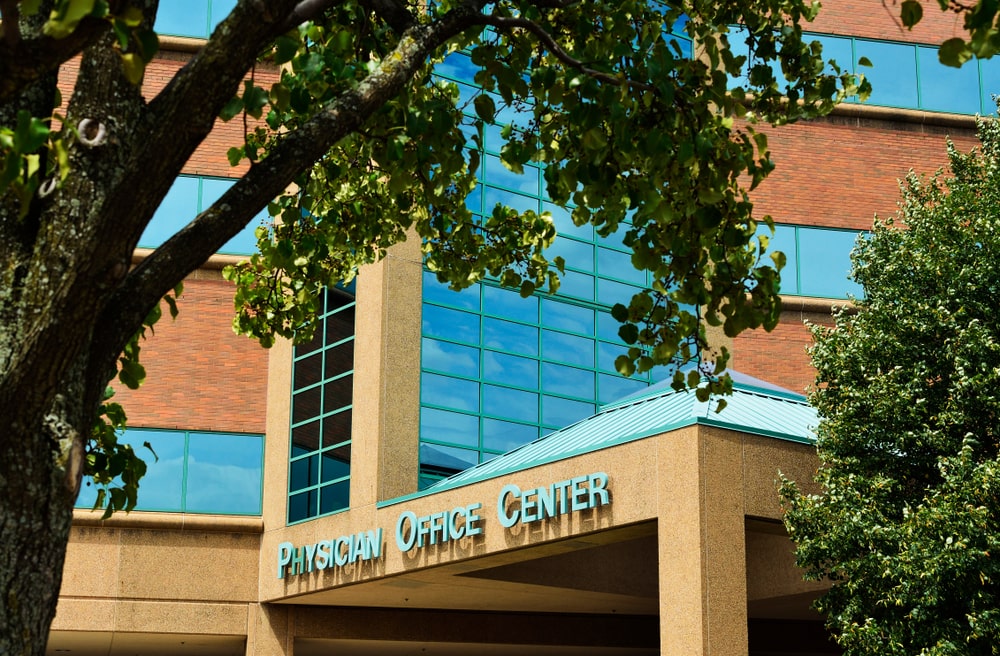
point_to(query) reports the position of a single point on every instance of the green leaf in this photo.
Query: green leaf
(911, 11)
(133, 66)
(67, 16)
(285, 48)
(254, 99)
(485, 107)
(234, 155)
(148, 43)
(233, 107)
(954, 52)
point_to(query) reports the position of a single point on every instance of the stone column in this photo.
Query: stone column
(385, 429)
(701, 536)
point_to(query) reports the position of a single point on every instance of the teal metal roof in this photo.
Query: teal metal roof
(755, 407)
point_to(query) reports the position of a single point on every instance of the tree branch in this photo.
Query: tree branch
(191, 246)
(546, 39)
(23, 61)
(394, 13)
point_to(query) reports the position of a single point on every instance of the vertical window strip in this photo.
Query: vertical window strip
(308, 480)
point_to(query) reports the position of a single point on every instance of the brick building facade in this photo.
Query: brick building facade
(685, 554)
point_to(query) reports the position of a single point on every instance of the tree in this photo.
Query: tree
(907, 523)
(360, 146)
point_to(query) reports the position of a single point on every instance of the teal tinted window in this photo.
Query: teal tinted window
(828, 254)
(450, 427)
(453, 324)
(191, 18)
(902, 75)
(188, 196)
(449, 358)
(911, 76)
(989, 74)
(508, 304)
(195, 472)
(319, 466)
(818, 260)
(838, 49)
(537, 357)
(447, 392)
(893, 73)
(946, 88)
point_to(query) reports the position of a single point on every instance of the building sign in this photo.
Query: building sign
(513, 505)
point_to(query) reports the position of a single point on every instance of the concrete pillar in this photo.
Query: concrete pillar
(701, 538)
(385, 429)
(269, 631)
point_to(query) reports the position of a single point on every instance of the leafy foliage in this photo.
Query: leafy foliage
(631, 133)
(907, 524)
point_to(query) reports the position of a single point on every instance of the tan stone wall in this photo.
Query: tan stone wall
(159, 573)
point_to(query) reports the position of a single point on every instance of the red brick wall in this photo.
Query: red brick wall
(200, 375)
(210, 157)
(875, 19)
(840, 172)
(779, 356)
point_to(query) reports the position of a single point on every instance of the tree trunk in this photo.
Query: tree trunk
(39, 479)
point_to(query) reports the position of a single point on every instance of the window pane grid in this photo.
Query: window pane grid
(322, 405)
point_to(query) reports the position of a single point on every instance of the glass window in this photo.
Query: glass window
(567, 317)
(319, 472)
(828, 255)
(178, 207)
(608, 353)
(219, 10)
(509, 336)
(503, 368)
(224, 473)
(578, 254)
(570, 349)
(335, 497)
(576, 285)
(457, 66)
(183, 18)
(446, 426)
(615, 264)
(336, 463)
(493, 196)
(569, 381)
(559, 412)
(504, 436)
(613, 387)
(449, 358)
(495, 173)
(452, 324)
(188, 196)
(510, 403)
(302, 506)
(838, 49)
(784, 240)
(564, 223)
(449, 392)
(893, 73)
(436, 292)
(162, 488)
(447, 459)
(219, 473)
(508, 303)
(945, 88)
(610, 292)
(989, 71)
